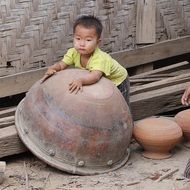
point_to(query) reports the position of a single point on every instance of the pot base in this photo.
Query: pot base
(187, 144)
(156, 155)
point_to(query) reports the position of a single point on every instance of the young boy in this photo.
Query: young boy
(86, 55)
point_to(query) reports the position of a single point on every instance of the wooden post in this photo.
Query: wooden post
(2, 171)
(146, 22)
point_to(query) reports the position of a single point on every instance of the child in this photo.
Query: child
(86, 55)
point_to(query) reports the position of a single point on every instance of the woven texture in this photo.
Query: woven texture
(36, 33)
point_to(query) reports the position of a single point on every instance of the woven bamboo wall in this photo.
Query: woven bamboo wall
(35, 33)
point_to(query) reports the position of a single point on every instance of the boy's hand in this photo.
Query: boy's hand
(75, 86)
(88, 79)
(48, 74)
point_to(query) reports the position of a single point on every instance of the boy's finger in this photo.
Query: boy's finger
(77, 89)
(72, 88)
(43, 79)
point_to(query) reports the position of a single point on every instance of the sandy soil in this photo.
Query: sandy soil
(26, 171)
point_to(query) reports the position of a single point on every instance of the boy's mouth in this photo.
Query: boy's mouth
(80, 49)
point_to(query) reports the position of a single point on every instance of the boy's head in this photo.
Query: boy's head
(89, 22)
(87, 33)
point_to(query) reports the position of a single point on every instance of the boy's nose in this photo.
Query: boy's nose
(82, 43)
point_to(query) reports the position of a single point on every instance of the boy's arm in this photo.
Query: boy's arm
(90, 78)
(53, 69)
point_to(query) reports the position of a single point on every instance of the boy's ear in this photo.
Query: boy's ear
(99, 41)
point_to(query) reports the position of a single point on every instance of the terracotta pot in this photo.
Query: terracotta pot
(157, 136)
(85, 133)
(183, 120)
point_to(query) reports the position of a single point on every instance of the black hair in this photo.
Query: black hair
(89, 21)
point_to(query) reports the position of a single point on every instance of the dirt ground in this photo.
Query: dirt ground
(25, 171)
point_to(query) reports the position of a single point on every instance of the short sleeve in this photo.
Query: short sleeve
(69, 57)
(102, 66)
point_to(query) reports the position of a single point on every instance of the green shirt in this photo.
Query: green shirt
(100, 61)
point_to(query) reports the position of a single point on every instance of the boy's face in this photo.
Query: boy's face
(85, 40)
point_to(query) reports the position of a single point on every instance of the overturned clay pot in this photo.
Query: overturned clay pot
(85, 133)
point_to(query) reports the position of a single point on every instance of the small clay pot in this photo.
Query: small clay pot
(183, 120)
(157, 136)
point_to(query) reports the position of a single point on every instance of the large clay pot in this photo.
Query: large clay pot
(157, 136)
(84, 133)
(183, 120)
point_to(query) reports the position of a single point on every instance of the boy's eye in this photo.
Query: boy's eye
(77, 38)
(89, 40)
